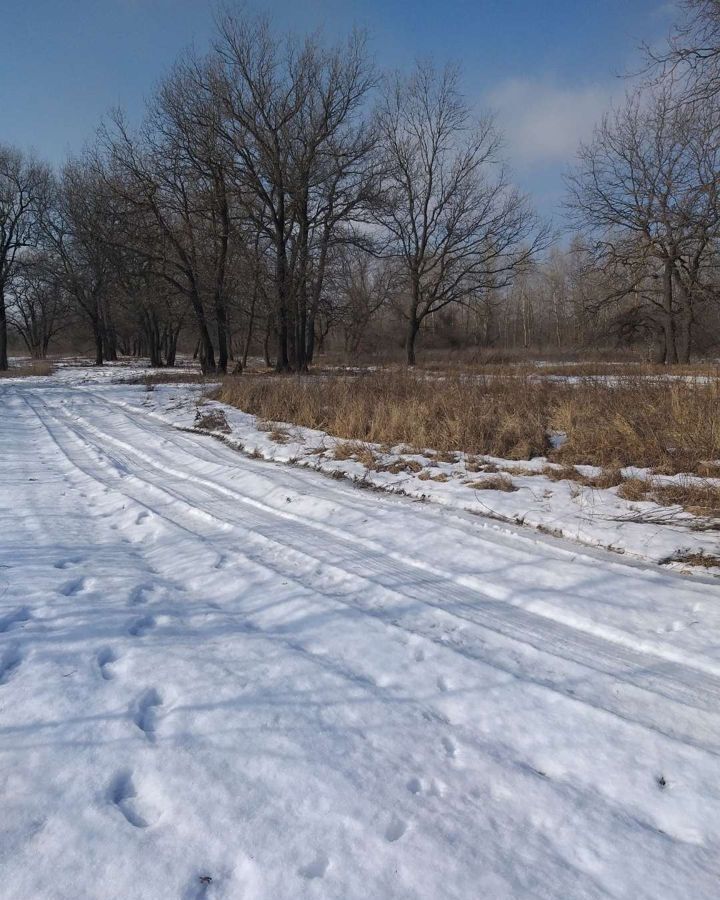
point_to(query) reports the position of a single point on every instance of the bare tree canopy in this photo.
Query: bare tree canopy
(446, 203)
(692, 55)
(24, 197)
(646, 192)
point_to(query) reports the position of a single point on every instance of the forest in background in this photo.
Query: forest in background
(283, 198)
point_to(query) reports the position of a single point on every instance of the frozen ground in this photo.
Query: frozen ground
(227, 678)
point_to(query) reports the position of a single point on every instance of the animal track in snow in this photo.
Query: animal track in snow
(105, 658)
(16, 617)
(316, 868)
(145, 712)
(124, 795)
(395, 830)
(9, 661)
(141, 626)
(142, 517)
(442, 684)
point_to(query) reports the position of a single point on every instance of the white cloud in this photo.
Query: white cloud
(543, 122)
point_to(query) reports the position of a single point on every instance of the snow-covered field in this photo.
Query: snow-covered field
(222, 677)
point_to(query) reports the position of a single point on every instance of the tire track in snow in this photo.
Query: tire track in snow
(643, 671)
(390, 560)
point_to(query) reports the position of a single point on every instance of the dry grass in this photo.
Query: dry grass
(700, 499)
(670, 427)
(448, 415)
(696, 497)
(38, 367)
(607, 361)
(401, 466)
(171, 376)
(494, 483)
(425, 475)
(212, 420)
(701, 559)
(275, 431)
(634, 489)
(607, 478)
(357, 451)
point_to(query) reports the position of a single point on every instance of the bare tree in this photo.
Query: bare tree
(24, 192)
(38, 306)
(75, 234)
(646, 190)
(364, 286)
(450, 213)
(692, 54)
(292, 116)
(166, 210)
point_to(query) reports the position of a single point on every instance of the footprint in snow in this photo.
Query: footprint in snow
(141, 626)
(16, 617)
(395, 830)
(145, 713)
(442, 684)
(124, 796)
(9, 662)
(449, 747)
(67, 563)
(316, 868)
(414, 786)
(105, 658)
(73, 587)
(139, 595)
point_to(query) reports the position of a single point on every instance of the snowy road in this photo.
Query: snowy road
(224, 678)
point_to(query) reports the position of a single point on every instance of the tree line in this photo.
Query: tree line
(280, 191)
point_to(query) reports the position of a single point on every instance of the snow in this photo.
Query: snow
(222, 677)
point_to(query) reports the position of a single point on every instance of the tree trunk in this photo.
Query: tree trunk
(269, 328)
(205, 348)
(171, 346)
(683, 339)
(669, 323)
(97, 334)
(310, 345)
(152, 333)
(3, 331)
(316, 295)
(251, 325)
(222, 335)
(683, 324)
(413, 328)
(220, 307)
(282, 363)
(207, 351)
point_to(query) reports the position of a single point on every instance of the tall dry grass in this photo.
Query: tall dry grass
(671, 427)
(36, 367)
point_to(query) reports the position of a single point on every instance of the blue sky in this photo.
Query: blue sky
(548, 67)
